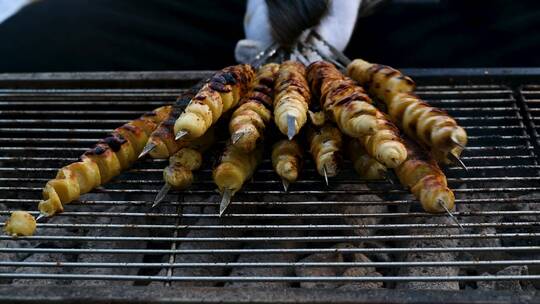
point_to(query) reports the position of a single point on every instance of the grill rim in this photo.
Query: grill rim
(163, 294)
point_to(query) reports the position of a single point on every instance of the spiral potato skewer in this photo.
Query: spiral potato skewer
(351, 109)
(287, 160)
(382, 81)
(421, 174)
(235, 168)
(179, 173)
(162, 141)
(428, 125)
(292, 98)
(325, 145)
(250, 119)
(220, 94)
(365, 166)
(101, 163)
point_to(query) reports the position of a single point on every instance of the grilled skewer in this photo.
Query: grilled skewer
(350, 107)
(382, 81)
(234, 169)
(220, 94)
(178, 175)
(325, 145)
(365, 166)
(421, 174)
(287, 161)
(429, 126)
(250, 119)
(292, 98)
(101, 163)
(161, 143)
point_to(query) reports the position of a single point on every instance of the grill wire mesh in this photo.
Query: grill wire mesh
(352, 235)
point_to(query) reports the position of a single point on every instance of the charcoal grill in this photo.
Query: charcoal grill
(112, 247)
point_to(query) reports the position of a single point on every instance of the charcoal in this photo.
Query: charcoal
(263, 271)
(361, 272)
(430, 256)
(206, 258)
(57, 258)
(262, 258)
(111, 257)
(505, 285)
(361, 209)
(328, 271)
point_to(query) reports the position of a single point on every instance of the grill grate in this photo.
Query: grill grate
(352, 235)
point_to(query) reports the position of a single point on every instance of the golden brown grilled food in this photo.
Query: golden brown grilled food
(21, 223)
(325, 145)
(101, 163)
(179, 173)
(366, 166)
(421, 174)
(292, 97)
(349, 106)
(235, 168)
(220, 94)
(163, 136)
(250, 119)
(287, 159)
(428, 125)
(382, 81)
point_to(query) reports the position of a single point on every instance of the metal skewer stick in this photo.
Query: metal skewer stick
(225, 201)
(323, 56)
(291, 126)
(262, 56)
(181, 134)
(236, 137)
(325, 174)
(149, 147)
(161, 194)
(339, 55)
(450, 214)
(286, 184)
(455, 142)
(457, 161)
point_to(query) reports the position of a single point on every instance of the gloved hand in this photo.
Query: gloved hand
(335, 27)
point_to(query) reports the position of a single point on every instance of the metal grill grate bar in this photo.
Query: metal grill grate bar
(112, 234)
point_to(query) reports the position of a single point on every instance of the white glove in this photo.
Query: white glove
(336, 27)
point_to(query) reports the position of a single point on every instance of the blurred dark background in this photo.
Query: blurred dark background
(104, 35)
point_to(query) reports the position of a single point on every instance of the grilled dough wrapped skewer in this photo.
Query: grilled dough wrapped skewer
(287, 159)
(292, 98)
(382, 81)
(325, 145)
(249, 120)
(162, 139)
(350, 107)
(234, 169)
(101, 163)
(428, 125)
(421, 174)
(220, 94)
(365, 166)
(179, 174)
